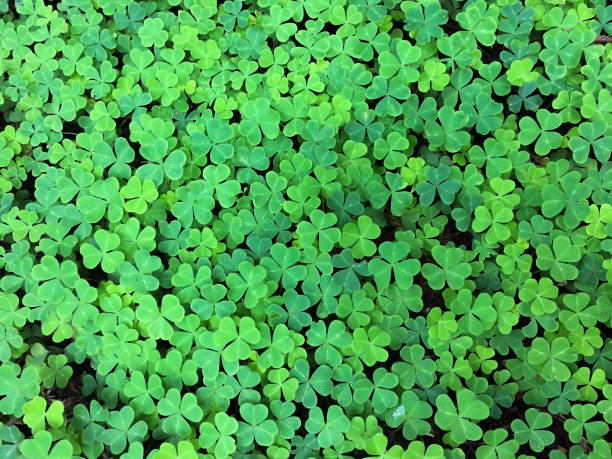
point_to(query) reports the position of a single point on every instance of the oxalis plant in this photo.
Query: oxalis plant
(306, 229)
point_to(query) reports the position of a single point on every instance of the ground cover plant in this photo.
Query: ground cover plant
(305, 228)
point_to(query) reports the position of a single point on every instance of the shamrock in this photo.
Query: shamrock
(570, 197)
(494, 220)
(330, 428)
(434, 76)
(282, 265)
(449, 269)
(581, 424)
(437, 181)
(328, 340)
(249, 285)
(380, 194)
(390, 65)
(239, 338)
(118, 160)
(358, 237)
(97, 42)
(559, 258)
(321, 227)
(177, 371)
(541, 294)
(391, 150)
(412, 413)
(542, 130)
(104, 252)
(393, 260)
(225, 190)
(259, 119)
(35, 414)
(162, 86)
(520, 72)
(102, 114)
(424, 18)
(184, 450)
(552, 358)
(39, 447)
(477, 313)
(256, 425)
(142, 392)
(217, 436)
(356, 308)
(177, 410)
(480, 20)
(370, 345)
(139, 275)
(319, 382)
(580, 311)
(324, 216)
(194, 200)
(591, 137)
(157, 319)
(269, 193)
(414, 368)
(123, 430)
(103, 198)
(152, 33)
(161, 163)
(486, 112)
(459, 419)
(212, 139)
(138, 194)
(533, 431)
(496, 444)
(54, 277)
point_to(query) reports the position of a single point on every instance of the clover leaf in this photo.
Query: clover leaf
(122, 430)
(329, 428)
(458, 419)
(411, 413)
(217, 436)
(104, 253)
(542, 130)
(256, 425)
(533, 431)
(177, 410)
(40, 446)
(393, 260)
(358, 237)
(450, 268)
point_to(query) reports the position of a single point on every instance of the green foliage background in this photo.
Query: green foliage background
(305, 228)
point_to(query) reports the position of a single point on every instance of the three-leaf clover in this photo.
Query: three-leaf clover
(256, 425)
(218, 436)
(533, 431)
(450, 268)
(39, 447)
(36, 414)
(394, 259)
(412, 414)
(178, 410)
(329, 428)
(235, 341)
(544, 130)
(122, 430)
(259, 119)
(103, 252)
(424, 18)
(552, 358)
(458, 419)
(358, 237)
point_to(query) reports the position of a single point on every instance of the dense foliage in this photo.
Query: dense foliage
(305, 228)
